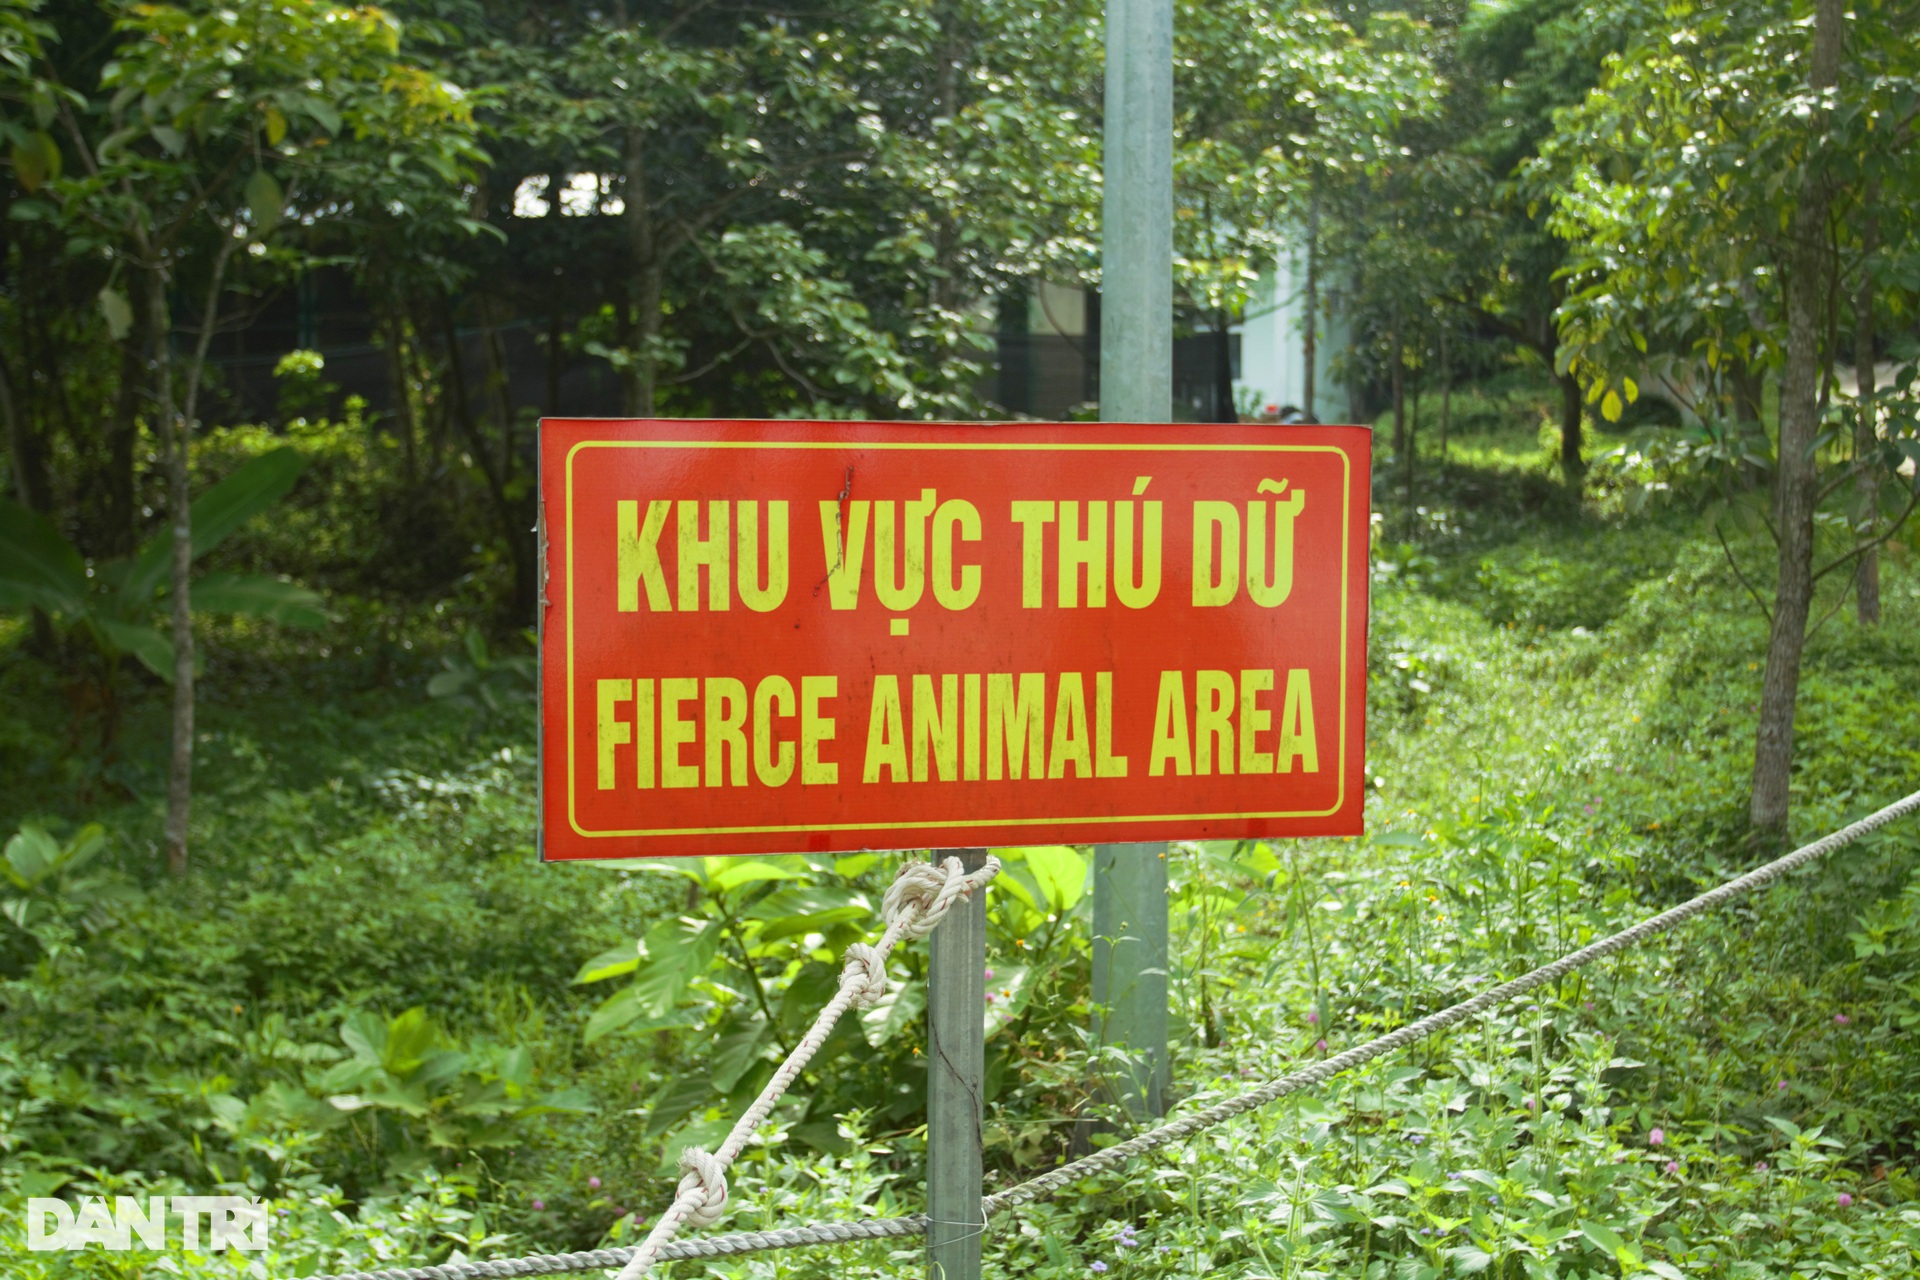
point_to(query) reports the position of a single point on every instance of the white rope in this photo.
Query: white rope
(917, 900)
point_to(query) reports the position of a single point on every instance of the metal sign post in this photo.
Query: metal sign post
(956, 1069)
(1136, 385)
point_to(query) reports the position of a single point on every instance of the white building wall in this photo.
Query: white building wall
(1272, 353)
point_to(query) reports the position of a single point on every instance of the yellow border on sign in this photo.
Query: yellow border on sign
(1346, 550)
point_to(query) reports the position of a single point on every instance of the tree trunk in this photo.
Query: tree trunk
(648, 282)
(1413, 456)
(177, 439)
(1446, 397)
(1572, 408)
(1310, 331)
(555, 358)
(118, 524)
(1796, 478)
(513, 522)
(1399, 375)
(402, 400)
(1866, 441)
(173, 437)
(1223, 369)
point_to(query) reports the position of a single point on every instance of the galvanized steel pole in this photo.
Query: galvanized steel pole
(1136, 385)
(956, 1070)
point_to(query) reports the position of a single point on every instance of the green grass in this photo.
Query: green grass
(1562, 712)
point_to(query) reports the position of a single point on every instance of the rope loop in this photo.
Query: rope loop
(865, 975)
(922, 894)
(703, 1175)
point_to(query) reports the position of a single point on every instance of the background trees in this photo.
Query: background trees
(504, 210)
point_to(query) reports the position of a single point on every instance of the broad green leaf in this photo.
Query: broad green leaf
(735, 1050)
(116, 311)
(36, 159)
(32, 853)
(807, 899)
(899, 1009)
(1603, 1237)
(616, 1011)
(253, 487)
(149, 645)
(411, 1036)
(819, 922)
(1665, 1270)
(256, 595)
(610, 964)
(675, 1101)
(265, 201)
(38, 567)
(1610, 407)
(276, 124)
(743, 871)
(1631, 388)
(365, 1034)
(1061, 873)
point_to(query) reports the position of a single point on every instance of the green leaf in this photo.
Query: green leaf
(735, 1050)
(36, 159)
(1061, 873)
(1610, 407)
(32, 854)
(1632, 389)
(153, 649)
(610, 963)
(1666, 1270)
(276, 124)
(116, 311)
(899, 1009)
(675, 1101)
(265, 202)
(365, 1034)
(743, 871)
(1603, 1238)
(256, 595)
(38, 567)
(613, 1013)
(253, 487)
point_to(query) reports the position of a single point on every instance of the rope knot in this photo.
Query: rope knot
(922, 894)
(702, 1172)
(865, 975)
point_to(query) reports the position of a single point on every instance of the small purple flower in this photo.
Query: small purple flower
(538, 1205)
(1841, 1020)
(1098, 1266)
(1312, 1017)
(594, 1183)
(1453, 1175)
(1843, 1200)
(1415, 1139)
(1656, 1137)
(989, 975)
(1781, 1086)
(1587, 1005)
(1673, 1166)
(1527, 1103)
(1321, 1045)
(1760, 1166)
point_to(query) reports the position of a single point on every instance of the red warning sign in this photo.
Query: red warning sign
(762, 637)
